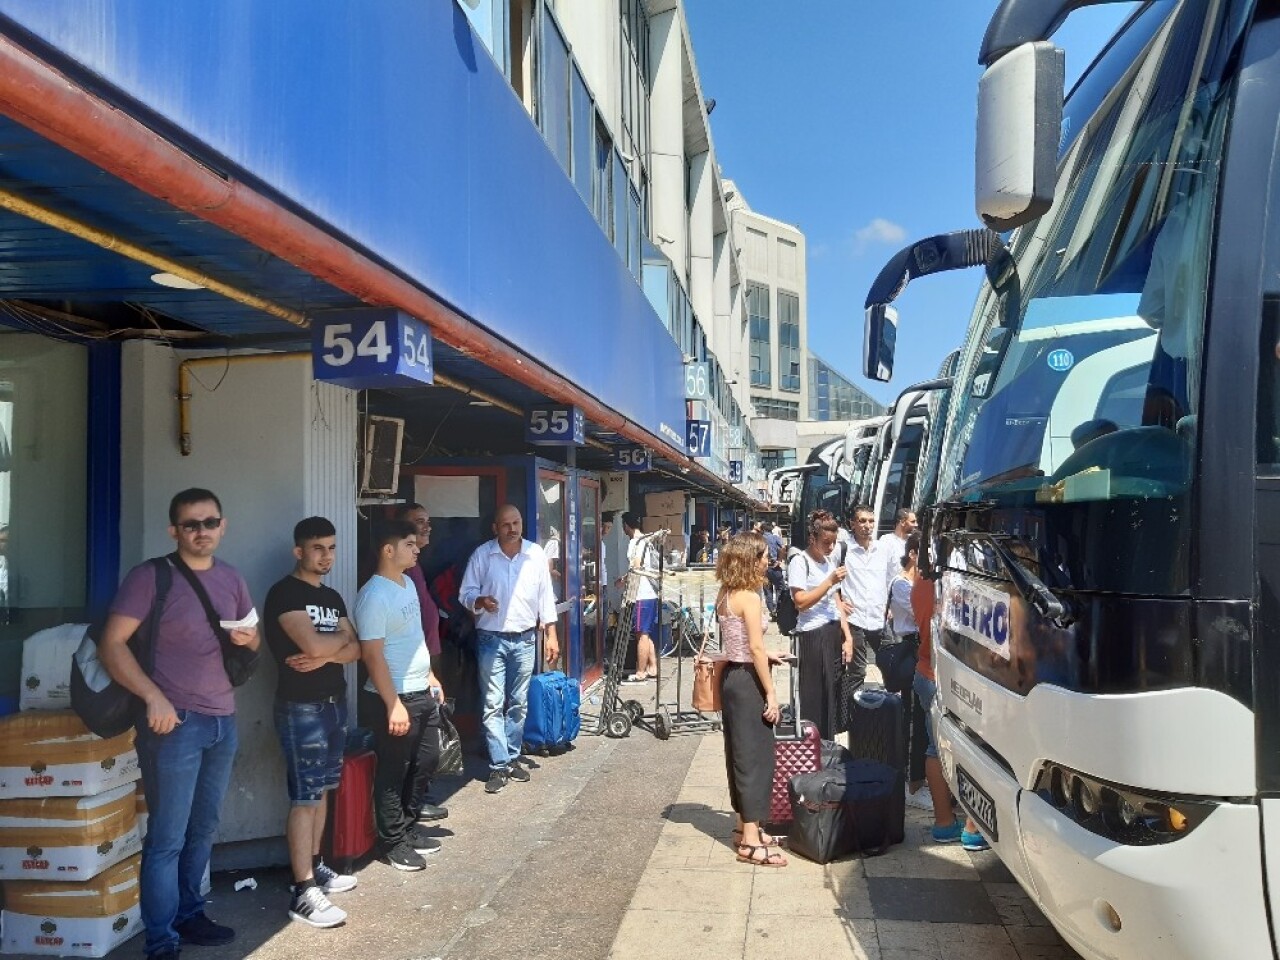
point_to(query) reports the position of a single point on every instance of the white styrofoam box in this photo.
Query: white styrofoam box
(72, 919)
(46, 667)
(67, 838)
(52, 754)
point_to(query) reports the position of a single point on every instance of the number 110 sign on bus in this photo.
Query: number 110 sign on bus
(371, 349)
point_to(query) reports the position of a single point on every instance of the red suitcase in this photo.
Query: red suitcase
(351, 833)
(797, 748)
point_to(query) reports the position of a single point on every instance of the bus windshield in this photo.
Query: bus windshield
(1082, 393)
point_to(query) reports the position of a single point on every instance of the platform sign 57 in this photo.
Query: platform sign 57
(698, 437)
(371, 349)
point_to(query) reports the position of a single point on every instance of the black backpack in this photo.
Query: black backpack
(106, 707)
(788, 615)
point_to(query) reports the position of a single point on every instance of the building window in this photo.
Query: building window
(776, 409)
(583, 124)
(757, 250)
(602, 192)
(787, 260)
(553, 115)
(775, 459)
(761, 348)
(788, 342)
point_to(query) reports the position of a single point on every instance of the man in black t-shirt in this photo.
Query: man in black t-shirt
(311, 639)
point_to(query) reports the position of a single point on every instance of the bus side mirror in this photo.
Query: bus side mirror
(880, 340)
(1019, 134)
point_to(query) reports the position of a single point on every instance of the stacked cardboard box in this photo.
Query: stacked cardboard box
(68, 838)
(52, 754)
(88, 919)
(666, 504)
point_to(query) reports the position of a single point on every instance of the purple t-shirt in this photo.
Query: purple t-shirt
(188, 667)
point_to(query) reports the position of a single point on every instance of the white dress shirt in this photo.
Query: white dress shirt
(896, 546)
(868, 571)
(521, 585)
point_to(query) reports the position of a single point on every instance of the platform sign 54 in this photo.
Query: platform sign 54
(371, 348)
(698, 437)
(632, 459)
(555, 425)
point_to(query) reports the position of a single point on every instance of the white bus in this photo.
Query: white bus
(1108, 532)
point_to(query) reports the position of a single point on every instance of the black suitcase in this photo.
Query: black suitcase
(878, 731)
(846, 809)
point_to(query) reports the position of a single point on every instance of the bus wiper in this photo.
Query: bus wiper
(1030, 587)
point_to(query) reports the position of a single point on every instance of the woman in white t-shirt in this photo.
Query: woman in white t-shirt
(823, 640)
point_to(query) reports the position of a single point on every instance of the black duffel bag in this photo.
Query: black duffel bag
(844, 810)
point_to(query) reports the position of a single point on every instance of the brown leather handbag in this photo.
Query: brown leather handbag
(706, 679)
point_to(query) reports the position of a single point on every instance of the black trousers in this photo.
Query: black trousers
(748, 742)
(820, 666)
(865, 644)
(405, 764)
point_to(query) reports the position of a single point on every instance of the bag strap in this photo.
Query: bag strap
(164, 580)
(224, 638)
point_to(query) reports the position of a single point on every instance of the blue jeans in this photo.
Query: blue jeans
(184, 776)
(926, 690)
(312, 738)
(506, 664)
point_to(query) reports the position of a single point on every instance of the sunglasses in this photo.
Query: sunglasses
(193, 526)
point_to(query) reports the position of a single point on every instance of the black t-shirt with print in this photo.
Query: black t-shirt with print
(325, 608)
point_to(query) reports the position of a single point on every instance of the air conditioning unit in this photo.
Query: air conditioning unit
(380, 463)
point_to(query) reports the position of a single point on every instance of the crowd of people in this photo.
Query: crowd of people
(186, 731)
(856, 596)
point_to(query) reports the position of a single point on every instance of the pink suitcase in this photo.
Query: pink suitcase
(797, 749)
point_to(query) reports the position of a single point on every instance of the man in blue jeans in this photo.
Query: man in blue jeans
(187, 740)
(508, 585)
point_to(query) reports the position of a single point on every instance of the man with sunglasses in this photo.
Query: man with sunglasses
(186, 741)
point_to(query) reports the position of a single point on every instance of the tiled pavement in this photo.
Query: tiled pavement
(919, 901)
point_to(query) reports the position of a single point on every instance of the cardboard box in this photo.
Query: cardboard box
(46, 667)
(673, 523)
(664, 504)
(68, 838)
(73, 919)
(52, 754)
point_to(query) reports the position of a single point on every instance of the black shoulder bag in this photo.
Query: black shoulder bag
(238, 661)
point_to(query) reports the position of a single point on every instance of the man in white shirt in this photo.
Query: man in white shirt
(508, 585)
(641, 563)
(895, 541)
(869, 567)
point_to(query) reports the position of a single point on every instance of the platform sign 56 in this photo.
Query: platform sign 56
(632, 459)
(372, 348)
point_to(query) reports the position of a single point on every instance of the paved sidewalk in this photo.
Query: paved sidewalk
(919, 901)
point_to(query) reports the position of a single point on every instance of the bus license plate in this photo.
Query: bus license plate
(978, 803)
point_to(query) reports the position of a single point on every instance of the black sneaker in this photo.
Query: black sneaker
(403, 857)
(497, 780)
(200, 931)
(421, 843)
(528, 761)
(517, 772)
(430, 812)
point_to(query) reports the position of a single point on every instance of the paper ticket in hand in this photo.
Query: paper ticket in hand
(250, 620)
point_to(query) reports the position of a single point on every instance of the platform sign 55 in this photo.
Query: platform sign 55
(371, 348)
(632, 459)
(555, 425)
(698, 437)
(735, 471)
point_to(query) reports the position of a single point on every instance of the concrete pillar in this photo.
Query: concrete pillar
(701, 237)
(666, 112)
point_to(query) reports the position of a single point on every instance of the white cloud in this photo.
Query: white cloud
(879, 232)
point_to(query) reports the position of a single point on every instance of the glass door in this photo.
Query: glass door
(591, 579)
(551, 534)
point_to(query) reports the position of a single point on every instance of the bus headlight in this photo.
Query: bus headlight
(1123, 814)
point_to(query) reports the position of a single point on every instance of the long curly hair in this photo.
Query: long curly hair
(738, 565)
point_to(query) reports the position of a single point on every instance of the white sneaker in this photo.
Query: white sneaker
(921, 799)
(313, 907)
(331, 881)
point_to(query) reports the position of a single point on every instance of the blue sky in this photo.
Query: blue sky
(857, 124)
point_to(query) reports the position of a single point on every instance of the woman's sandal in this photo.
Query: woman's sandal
(774, 859)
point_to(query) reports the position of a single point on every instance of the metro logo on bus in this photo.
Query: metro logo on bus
(976, 611)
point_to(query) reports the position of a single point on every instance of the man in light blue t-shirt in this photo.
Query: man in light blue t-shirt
(401, 700)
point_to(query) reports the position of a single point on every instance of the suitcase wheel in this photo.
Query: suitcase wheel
(662, 724)
(634, 710)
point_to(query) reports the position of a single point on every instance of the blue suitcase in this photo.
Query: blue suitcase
(552, 721)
